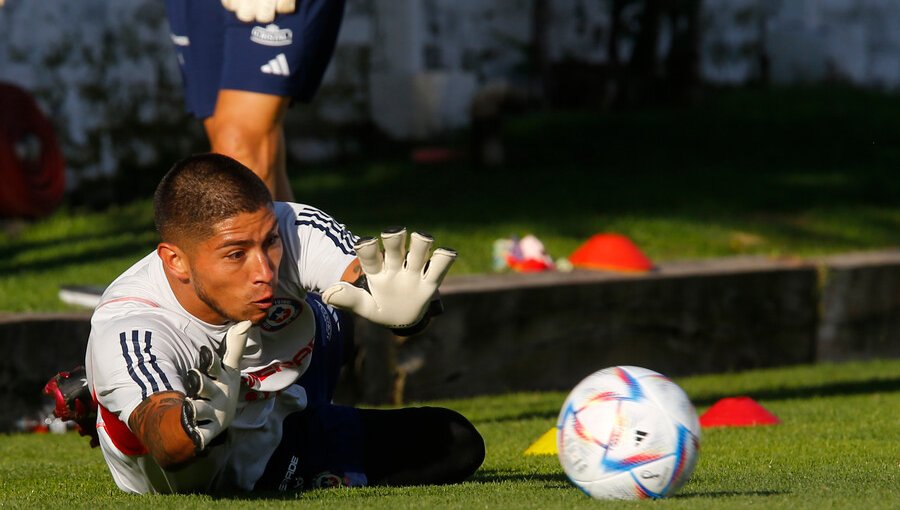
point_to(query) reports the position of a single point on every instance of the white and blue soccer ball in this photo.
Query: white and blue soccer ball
(628, 433)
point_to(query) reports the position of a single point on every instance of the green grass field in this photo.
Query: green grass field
(837, 447)
(797, 172)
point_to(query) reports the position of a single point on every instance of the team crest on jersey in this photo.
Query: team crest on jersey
(271, 35)
(282, 313)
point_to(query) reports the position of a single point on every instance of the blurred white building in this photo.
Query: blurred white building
(807, 41)
(412, 67)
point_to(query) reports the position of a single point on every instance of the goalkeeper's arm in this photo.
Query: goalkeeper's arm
(156, 422)
(175, 427)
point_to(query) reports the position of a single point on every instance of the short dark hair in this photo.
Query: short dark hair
(202, 190)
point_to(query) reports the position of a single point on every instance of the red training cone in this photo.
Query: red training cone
(737, 412)
(612, 252)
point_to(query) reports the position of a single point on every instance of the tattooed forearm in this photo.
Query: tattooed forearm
(157, 423)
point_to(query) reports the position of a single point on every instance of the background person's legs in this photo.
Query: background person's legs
(231, 84)
(249, 127)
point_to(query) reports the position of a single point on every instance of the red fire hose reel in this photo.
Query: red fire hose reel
(32, 177)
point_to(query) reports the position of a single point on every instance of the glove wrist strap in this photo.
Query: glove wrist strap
(435, 308)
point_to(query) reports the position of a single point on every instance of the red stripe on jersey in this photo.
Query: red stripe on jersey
(119, 433)
(129, 298)
(123, 439)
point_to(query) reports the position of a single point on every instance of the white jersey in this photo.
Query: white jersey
(142, 341)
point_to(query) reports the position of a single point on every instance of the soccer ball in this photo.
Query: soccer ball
(628, 433)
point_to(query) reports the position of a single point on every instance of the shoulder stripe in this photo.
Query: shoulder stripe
(129, 364)
(318, 216)
(153, 364)
(338, 243)
(338, 233)
(135, 336)
(137, 365)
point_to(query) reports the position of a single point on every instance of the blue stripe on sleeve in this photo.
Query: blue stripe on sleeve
(135, 339)
(129, 364)
(153, 363)
(320, 221)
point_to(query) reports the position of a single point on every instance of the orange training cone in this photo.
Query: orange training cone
(611, 252)
(737, 412)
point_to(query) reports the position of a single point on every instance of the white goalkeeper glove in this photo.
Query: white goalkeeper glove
(400, 283)
(260, 11)
(213, 389)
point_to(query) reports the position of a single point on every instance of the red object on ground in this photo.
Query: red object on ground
(527, 265)
(613, 252)
(31, 163)
(429, 155)
(737, 412)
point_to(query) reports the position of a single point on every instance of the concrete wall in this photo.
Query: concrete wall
(35, 347)
(860, 307)
(516, 332)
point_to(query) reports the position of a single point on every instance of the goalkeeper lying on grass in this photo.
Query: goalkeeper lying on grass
(213, 360)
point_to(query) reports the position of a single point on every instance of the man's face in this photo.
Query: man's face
(234, 272)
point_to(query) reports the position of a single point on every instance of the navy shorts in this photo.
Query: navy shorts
(218, 51)
(323, 444)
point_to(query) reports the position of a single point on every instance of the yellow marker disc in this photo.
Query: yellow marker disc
(545, 445)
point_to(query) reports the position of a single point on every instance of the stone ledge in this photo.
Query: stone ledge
(860, 260)
(732, 265)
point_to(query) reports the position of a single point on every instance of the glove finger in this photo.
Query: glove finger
(235, 341)
(203, 411)
(206, 387)
(370, 257)
(207, 433)
(286, 6)
(229, 4)
(439, 264)
(189, 424)
(419, 245)
(209, 364)
(207, 360)
(199, 427)
(188, 413)
(193, 382)
(394, 241)
(345, 296)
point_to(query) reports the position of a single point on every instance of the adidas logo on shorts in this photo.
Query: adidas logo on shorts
(277, 66)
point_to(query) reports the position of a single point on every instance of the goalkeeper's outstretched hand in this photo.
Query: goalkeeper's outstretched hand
(400, 283)
(213, 389)
(260, 11)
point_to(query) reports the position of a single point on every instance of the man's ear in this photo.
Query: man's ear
(175, 261)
